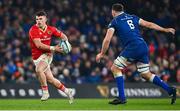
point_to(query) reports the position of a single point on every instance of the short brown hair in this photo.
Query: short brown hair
(41, 13)
(118, 7)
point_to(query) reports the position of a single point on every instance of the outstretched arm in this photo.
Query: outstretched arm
(154, 26)
(105, 44)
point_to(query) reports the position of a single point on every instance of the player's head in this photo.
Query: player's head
(116, 9)
(41, 18)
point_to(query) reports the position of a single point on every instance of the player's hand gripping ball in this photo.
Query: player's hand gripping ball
(66, 46)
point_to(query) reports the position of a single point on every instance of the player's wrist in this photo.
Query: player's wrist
(52, 48)
(102, 53)
(166, 30)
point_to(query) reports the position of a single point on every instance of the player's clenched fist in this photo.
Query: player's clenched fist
(170, 30)
(99, 57)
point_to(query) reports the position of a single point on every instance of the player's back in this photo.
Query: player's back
(127, 28)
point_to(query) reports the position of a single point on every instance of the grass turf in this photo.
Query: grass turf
(87, 104)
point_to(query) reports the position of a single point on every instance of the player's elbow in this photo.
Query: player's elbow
(64, 37)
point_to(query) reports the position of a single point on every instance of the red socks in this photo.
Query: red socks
(44, 87)
(62, 87)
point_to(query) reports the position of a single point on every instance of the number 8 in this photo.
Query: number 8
(130, 23)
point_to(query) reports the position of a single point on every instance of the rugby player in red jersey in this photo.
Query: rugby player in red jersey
(42, 54)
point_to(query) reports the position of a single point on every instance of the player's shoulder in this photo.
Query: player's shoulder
(133, 15)
(113, 21)
(111, 24)
(129, 15)
(33, 28)
(119, 17)
(52, 28)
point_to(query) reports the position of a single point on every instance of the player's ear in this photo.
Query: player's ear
(46, 19)
(35, 17)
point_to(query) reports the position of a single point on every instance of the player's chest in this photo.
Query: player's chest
(45, 35)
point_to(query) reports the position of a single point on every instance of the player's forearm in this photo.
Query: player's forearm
(45, 47)
(156, 27)
(64, 37)
(105, 46)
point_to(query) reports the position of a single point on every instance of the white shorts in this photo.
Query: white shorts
(44, 57)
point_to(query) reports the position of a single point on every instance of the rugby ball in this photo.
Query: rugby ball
(66, 46)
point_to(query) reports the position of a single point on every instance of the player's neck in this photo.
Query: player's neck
(117, 14)
(43, 28)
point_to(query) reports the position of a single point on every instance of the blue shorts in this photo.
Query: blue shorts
(136, 52)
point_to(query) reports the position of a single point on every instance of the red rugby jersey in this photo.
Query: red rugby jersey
(45, 37)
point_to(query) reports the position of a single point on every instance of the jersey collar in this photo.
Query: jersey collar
(120, 13)
(41, 29)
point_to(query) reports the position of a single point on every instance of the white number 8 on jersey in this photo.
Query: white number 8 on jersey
(130, 23)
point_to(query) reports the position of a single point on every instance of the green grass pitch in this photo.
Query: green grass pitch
(87, 104)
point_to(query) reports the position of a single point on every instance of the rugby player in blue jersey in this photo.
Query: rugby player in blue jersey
(135, 50)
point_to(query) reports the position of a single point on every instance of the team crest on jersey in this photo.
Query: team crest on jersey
(49, 32)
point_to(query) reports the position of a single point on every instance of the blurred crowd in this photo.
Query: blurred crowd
(85, 22)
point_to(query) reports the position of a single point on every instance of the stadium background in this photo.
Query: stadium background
(85, 22)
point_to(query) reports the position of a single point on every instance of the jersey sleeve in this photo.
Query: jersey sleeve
(136, 18)
(112, 24)
(56, 32)
(33, 33)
